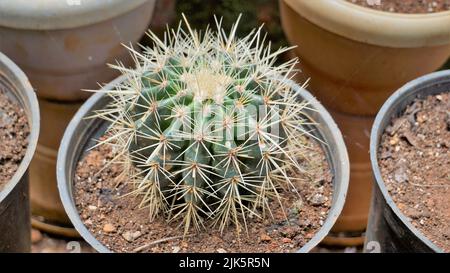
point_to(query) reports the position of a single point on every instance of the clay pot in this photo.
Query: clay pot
(81, 132)
(356, 57)
(14, 197)
(63, 46)
(49, 214)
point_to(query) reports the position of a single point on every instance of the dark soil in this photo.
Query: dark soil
(117, 222)
(414, 159)
(14, 131)
(406, 6)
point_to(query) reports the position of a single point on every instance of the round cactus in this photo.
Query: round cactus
(207, 128)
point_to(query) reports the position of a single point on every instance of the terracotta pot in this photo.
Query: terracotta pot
(356, 57)
(63, 47)
(46, 207)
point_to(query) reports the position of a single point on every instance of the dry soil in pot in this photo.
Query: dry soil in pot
(414, 158)
(117, 222)
(406, 6)
(14, 132)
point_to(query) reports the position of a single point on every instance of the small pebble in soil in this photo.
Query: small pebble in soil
(108, 228)
(265, 238)
(318, 199)
(176, 249)
(131, 236)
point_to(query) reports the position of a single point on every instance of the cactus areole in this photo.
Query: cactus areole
(207, 127)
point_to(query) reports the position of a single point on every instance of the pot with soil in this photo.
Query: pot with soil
(64, 46)
(47, 211)
(410, 155)
(356, 55)
(19, 130)
(179, 152)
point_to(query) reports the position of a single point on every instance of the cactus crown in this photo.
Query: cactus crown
(207, 127)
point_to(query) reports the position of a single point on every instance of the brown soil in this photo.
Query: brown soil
(414, 159)
(122, 227)
(14, 133)
(406, 6)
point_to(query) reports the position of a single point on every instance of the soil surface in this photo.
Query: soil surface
(414, 159)
(116, 221)
(405, 6)
(14, 131)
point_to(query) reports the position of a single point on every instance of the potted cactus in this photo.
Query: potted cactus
(205, 140)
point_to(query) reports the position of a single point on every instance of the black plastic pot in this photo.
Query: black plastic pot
(389, 230)
(14, 198)
(80, 133)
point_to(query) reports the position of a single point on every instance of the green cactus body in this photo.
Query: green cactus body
(210, 125)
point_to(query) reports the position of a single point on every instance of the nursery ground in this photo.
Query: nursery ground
(45, 243)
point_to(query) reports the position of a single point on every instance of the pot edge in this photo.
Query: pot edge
(375, 27)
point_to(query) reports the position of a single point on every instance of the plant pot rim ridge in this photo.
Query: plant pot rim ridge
(29, 103)
(363, 24)
(374, 145)
(67, 197)
(62, 14)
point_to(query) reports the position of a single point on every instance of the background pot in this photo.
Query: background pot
(46, 207)
(81, 132)
(14, 205)
(63, 47)
(356, 57)
(387, 224)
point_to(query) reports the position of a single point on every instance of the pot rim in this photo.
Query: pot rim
(62, 14)
(374, 144)
(341, 158)
(26, 97)
(366, 25)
